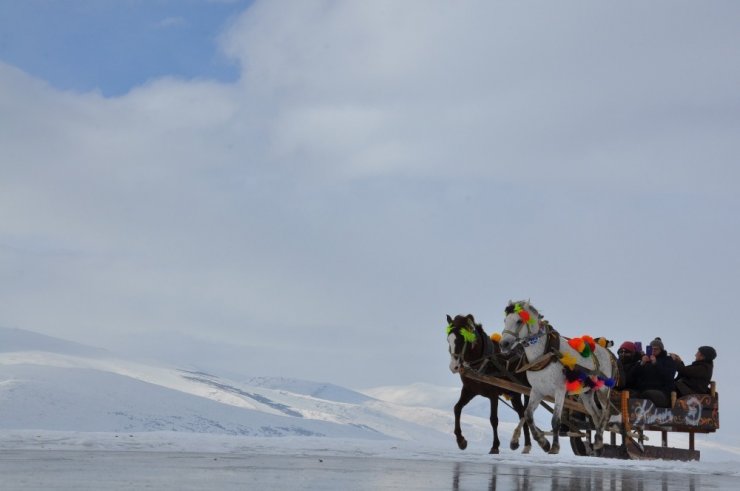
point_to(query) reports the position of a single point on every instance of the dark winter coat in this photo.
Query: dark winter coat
(656, 376)
(627, 379)
(630, 369)
(696, 376)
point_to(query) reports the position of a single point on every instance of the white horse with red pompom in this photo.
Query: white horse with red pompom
(557, 366)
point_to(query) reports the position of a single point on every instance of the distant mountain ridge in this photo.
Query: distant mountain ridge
(52, 384)
(20, 340)
(319, 390)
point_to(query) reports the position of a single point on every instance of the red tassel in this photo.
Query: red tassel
(573, 387)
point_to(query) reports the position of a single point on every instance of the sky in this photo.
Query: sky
(306, 189)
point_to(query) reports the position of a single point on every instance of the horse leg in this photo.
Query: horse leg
(516, 402)
(494, 424)
(527, 439)
(603, 408)
(557, 411)
(465, 397)
(534, 401)
(595, 413)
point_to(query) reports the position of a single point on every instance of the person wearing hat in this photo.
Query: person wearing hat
(695, 378)
(654, 375)
(628, 359)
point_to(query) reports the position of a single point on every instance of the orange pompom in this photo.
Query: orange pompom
(496, 337)
(574, 387)
(590, 341)
(577, 344)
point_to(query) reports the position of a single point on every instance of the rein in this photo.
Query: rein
(469, 339)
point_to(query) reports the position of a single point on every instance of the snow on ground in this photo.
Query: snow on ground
(72, 417)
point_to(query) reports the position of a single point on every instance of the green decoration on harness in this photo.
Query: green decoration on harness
(468, 336)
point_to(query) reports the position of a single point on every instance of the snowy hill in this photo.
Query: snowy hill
(19, 340)
(50, 384)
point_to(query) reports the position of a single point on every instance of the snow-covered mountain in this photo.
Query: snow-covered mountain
(51, 384)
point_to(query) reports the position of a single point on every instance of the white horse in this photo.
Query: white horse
(525, 327)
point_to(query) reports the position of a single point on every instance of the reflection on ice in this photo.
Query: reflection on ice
(521, 477)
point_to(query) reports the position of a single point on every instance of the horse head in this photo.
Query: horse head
(522, 322)
(463, 334)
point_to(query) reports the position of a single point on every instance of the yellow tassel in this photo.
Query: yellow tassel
(568, 360)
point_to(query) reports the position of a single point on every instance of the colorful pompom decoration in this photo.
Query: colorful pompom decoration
(577, 344)
(468, 336)
(496, 337)
(585, 345)
(574, 387)
(568, 360)
(590, 341)
(576, 382)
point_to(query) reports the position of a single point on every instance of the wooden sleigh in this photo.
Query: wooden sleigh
(630, 419)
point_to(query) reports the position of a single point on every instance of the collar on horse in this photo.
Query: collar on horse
(550, 353)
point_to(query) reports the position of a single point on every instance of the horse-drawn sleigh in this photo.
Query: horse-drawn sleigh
(578, 376)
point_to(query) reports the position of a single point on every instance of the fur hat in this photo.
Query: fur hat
(708, 352)
(657, 342)
(629, 346)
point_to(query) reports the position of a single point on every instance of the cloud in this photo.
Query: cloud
(377, 166)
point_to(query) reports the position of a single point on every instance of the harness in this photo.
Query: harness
(471, 339)
(551, 352)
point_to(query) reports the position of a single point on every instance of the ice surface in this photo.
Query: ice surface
(170, 461)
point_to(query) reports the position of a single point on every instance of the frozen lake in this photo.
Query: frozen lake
(115, 469)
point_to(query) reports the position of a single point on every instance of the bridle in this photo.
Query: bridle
(532, 323)
(470, 339)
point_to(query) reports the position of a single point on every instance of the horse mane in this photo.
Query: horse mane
(525, 304)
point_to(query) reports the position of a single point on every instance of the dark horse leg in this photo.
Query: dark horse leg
(494, 423)
(516, 403)
(466, 395)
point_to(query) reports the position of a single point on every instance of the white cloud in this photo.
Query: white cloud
(377, 166)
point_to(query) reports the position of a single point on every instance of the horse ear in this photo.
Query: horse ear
(449, 319)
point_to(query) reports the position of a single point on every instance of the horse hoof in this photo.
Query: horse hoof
(545, 446)
(527, 449)
(493, 451)
(462, 444)
(514, 445)
(554, 450)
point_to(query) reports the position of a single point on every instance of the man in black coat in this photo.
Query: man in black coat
(695, 378)
(628, 359)
(654, 375)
